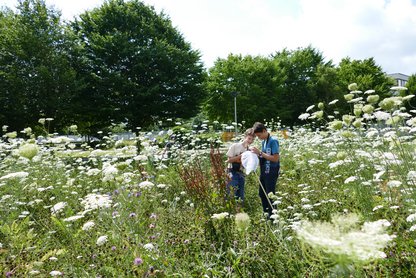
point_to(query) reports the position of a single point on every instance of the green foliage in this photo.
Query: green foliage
(36, 78)
(252, 78)
(366, 73)
(135, 66)
(307, 79)
(283, 85)
(411, 90)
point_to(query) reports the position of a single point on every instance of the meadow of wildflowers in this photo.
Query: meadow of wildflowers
(345, 204)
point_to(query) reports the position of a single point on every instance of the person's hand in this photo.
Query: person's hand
(255, 150)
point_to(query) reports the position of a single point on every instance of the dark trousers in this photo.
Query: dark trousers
(268, 181)
(236, 185)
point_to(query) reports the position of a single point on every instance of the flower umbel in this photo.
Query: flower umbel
(242, 221)
(344, 238)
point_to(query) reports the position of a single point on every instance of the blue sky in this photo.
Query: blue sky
(359, 29)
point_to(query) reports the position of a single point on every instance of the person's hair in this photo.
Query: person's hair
(258, 127)
(249, 132)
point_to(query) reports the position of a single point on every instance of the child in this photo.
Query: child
(234, 166)
(269, 165)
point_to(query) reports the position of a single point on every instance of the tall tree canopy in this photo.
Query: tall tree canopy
(136, 66)
(279, 86)
(36, 78)
(303, 70)
(253, 79)
(366, 73)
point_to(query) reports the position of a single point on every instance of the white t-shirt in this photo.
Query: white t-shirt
(235, 150)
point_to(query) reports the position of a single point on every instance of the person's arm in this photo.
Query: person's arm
(274, 156)
(230, 154)
(234, 159)
(271, 157)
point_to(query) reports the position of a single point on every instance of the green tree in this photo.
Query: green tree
(256, 83)
(366, 73)
(137, 68)
(411, 90)
(36, 78)
(307, 80)
(411, 85)
(282, 85)
(368, 76)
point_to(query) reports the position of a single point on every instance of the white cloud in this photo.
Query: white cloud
(383, 29)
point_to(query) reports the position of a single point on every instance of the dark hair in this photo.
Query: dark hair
(258, 127)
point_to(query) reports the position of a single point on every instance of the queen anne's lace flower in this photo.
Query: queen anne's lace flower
(102, 240)
(344, 237)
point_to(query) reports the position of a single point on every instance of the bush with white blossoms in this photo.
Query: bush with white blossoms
(344, 237)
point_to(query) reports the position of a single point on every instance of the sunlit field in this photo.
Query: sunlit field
(156, 204)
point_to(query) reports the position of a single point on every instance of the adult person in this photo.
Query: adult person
(269, 165)
(237, 181)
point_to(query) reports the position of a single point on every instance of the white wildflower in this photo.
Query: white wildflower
(102, 240)
(353, 87)
(149, 246)
(394, 183)
(411, 176)
(355, 100)
(161, 185)
(73, 218)
(359, 245)
(95, 201)
(377, 207)
(93, 172)
(109, 172)
(310, 108)
(28, 150)
(411, 122)
(146, 184)
(55, 273)
(350, 179)
(88, 225)
(58, 207)
(382, 116)
(411, 218)
(16, 175)
(304, 116)
(398, 88)
(220, 216)
(408, 97)
(242, 221)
